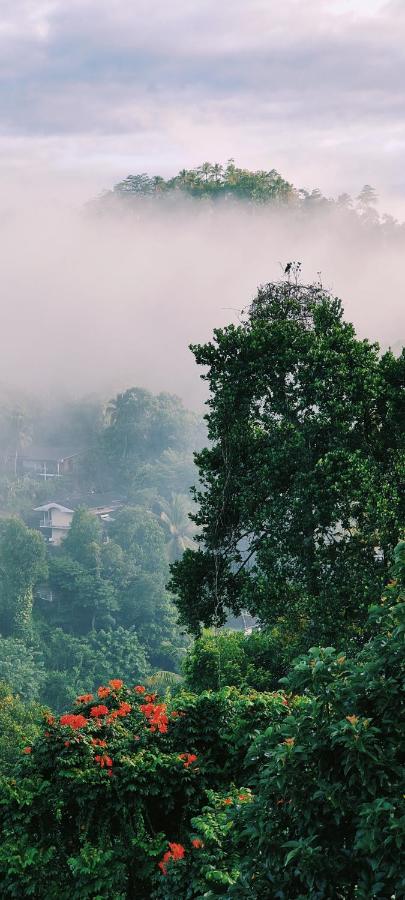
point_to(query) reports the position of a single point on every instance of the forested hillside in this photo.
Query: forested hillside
(214, 185)
(73, 613)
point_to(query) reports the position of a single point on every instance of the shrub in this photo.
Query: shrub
(97, 798)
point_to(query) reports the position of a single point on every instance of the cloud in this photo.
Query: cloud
(314, 88)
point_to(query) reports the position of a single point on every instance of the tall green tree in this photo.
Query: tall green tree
(302, 495)
(22, 565)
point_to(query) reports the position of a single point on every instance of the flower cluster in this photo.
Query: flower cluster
(188, 759)
(84, 698)
(97, 711)
(197, 844)
(104, 760)
(73, 721)
(175, 852)
(116, 684)
(103, 692)
(123, 710)
(156, 714)
(139, 689)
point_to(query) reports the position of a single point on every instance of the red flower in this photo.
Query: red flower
(116, 683)
(150, 698)
(243, 797)
(139, 689)
(104, 761)
(84, 698)
(50, 720)
(188, 758)
(97, 743)
(67, 743)
(97, 711)
(27, 750)
(73, 721)
(177, 850)
(228, 801)
(103, 692)
(163, 862)
(197, 843)
(156, 716)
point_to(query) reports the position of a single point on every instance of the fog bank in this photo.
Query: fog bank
(96, 305)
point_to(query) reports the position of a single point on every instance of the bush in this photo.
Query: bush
(326, 816)
(256, 661)
(95, 801)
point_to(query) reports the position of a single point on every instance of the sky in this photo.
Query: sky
(91, 90)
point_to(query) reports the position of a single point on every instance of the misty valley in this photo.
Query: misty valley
(202, 567)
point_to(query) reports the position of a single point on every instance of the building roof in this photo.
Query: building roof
(93, 501)
(38, 453)
(52, 505)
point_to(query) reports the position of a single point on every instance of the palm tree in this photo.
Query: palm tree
(180, 531)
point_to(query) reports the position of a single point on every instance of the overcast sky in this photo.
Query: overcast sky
(95, 89)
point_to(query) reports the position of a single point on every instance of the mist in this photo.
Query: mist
(97, 304)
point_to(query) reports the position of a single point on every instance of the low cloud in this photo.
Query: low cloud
(99, 305)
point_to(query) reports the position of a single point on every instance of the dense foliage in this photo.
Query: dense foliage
(99, 600)
(224, 781)
(302, 487)
(293, 794)
(104, 789)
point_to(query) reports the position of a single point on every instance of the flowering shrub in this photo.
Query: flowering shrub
(102, 806)
(293, 794)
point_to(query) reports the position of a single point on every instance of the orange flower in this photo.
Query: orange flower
(116, 683)
(156, 716)
(73, 721)
(84, 698)
(103, 692)
(97, 711)
(197, 843)
(139, 689)
(228, 801)
(150, 698)
(97, 743)
(352, 719)
(243, 797)
(163, 862)
(289, 742)
(27, 750)
(104, 761)
(188, 758)
(50, 720)
(177, 850)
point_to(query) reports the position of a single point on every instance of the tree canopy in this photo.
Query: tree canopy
(302, 494)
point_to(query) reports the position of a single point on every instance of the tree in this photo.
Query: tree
(175, 517)
(140, 427)
(22, 565)
(83, 599)
(20, 724)
(301, 500)
(83, 538)
(22, 668)
(230, 658)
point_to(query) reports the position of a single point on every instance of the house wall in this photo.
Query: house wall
(61, 519)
